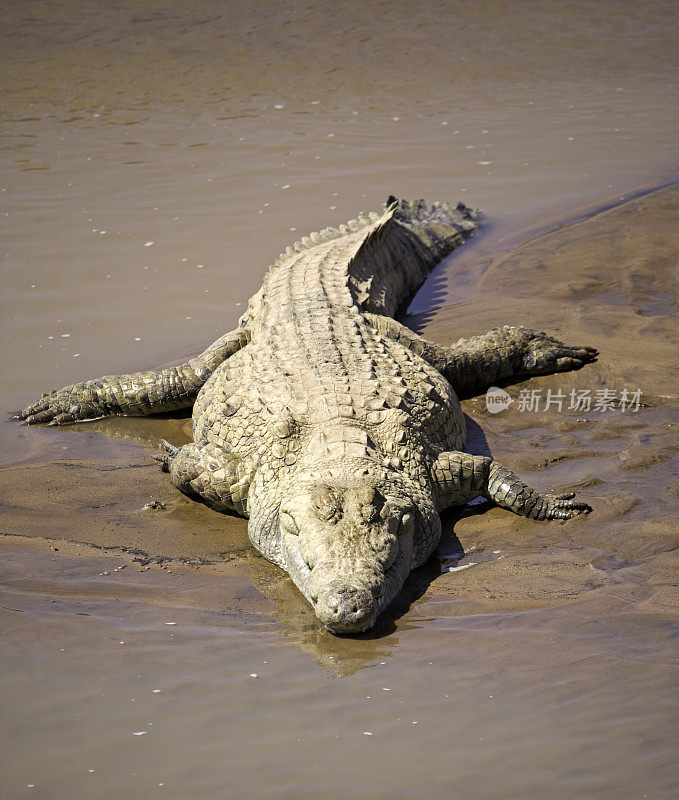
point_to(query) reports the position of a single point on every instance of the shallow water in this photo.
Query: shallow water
(129, 696)
(155, 160)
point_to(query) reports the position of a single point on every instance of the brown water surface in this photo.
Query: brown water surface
(156, 157)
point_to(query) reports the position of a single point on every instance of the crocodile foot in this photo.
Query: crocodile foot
(59, 407)
(559, 506)
(545, 354)
(165, 459)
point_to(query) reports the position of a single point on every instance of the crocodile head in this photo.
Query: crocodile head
(348, 548)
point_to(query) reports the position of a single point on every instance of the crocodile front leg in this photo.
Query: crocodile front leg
(209, 473)
(459, 477)
(137, 394)
(472, 365)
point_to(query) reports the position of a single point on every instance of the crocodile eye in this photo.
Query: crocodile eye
(326, 510)
(325, 504)
(370, 500)
(368, 513)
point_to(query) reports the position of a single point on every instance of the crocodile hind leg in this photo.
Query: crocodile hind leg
(510, 352)
(459, 477)
(137, 394)
(208, 473)
(472, 365)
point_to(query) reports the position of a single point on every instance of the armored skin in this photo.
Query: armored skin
(332, 427)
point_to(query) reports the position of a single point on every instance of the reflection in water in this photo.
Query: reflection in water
(341, 656)
(338, 656)
(145, 431)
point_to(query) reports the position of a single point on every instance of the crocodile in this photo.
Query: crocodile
(336, 430)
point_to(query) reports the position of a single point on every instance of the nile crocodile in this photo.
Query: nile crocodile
(335, 429)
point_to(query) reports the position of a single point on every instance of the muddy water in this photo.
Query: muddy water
(155, 159)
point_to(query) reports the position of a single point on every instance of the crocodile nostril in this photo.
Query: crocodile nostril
(339, 600)
(344, 604)
(345, 609)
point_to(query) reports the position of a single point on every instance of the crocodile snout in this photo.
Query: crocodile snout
(345, 609)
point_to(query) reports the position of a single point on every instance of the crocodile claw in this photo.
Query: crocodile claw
(562, 506)
(165, 459)
(53, 408)
(545, 354)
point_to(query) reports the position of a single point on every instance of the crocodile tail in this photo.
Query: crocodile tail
(403, 246)
(364, 222)
(440, 226)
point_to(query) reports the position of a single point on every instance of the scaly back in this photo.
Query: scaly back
(374, 262)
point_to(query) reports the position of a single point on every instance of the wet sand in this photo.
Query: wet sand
(155, 161)
(609, 281)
